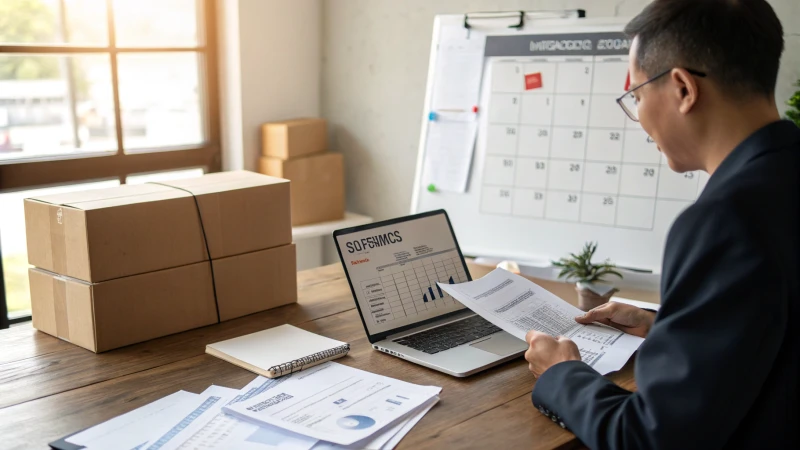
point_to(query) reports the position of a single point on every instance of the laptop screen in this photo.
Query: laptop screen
(393, 268)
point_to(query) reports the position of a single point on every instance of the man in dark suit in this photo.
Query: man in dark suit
(719, 365)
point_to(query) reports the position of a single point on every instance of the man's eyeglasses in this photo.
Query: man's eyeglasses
(628, 100)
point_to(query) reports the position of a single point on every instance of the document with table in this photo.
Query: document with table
(518, 305)
(219, 430)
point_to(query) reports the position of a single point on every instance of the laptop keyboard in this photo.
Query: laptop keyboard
(448, 336)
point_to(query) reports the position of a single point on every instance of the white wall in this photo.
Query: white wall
(375, 62)
(270, 67)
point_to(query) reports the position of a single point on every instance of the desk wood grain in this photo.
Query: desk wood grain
(49, 388)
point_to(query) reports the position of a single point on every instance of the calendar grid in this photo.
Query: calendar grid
(549, 147)
(623, 227)
(516, 147)
(658, 184)
(586, 145)
(623, 136)
(562, 150)
(565, 191)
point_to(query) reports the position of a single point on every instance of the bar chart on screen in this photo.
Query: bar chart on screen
(408, 287)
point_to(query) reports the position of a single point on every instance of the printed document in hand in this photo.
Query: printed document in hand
(335, 403)
(518, 305)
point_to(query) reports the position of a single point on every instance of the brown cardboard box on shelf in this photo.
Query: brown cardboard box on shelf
(255, 281)
(104, 234)
(111, 314)
(317, 185)
(294, 138)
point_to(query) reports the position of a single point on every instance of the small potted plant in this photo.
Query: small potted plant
(591, 286)
(793, 113)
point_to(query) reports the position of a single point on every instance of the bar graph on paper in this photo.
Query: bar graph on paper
(407, 288)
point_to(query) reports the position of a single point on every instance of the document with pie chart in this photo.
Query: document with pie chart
(336, 403)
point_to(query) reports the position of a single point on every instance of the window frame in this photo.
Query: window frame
(4, 320)
(68, 169)
(54, 170)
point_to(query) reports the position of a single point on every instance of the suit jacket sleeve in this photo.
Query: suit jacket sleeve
(702, 365)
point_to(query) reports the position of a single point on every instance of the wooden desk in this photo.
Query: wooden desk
(49, 388)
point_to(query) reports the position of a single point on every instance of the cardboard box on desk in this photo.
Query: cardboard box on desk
(294, 138)
(104, 234)
(111, 314)
(255, 281)
(317, 185)
(242, 211)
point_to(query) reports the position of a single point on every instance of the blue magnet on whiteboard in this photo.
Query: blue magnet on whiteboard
(432, 116)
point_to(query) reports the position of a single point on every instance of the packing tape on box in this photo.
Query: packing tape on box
(205, 241)
(58, 247)
(58, 241)
(61, 310)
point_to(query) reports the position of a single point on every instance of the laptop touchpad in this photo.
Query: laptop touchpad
(501, 344)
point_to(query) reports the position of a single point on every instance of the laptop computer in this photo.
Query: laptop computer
(393, 268)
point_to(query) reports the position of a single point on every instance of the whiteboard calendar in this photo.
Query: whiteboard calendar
(557, 162)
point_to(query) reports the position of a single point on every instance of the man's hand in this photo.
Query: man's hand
(624, 317)
(545, 351)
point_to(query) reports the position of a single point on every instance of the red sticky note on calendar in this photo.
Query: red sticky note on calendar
(533, 81)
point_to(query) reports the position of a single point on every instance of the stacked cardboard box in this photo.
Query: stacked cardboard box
(123, 265)
(297, 150)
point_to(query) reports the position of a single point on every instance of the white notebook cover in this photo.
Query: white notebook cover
(278, 351)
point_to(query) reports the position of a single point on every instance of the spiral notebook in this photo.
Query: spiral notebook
(278, 351)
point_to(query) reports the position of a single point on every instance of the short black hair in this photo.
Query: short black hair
(737, 43)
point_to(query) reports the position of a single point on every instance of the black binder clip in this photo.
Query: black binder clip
(521, 22)
(519, 25)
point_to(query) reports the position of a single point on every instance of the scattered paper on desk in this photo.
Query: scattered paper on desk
(352, 408)
(448, 154)
(192, 421)
(459, 69)
(135, 428)
(335, 403)
(194, 414)
(388, 439)
(225, 431)
(518, 305)
(407, 426)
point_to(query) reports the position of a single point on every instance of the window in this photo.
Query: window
(97, 93)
